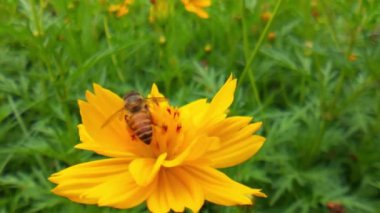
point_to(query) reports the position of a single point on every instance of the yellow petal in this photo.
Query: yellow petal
(220, 189)
(202, 146)
(104, 182)
(154, 92)
(197, 10)
(98, 168)
(119, 192)
(113, 8)
(105, 100)
(203, 115)
(194, 151)
(112, 135)
(229, 126)
(144, 170)
(131, 150)
(128, 2)
(234, 155)
(237, 143)
(175, 190)
(76, 180)
(195, 6)
(192, 114)
(202, 3)
(224, 97)
(122, 11)
(202, 14)
(155, 95)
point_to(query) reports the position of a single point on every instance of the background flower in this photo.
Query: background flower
(197, 7)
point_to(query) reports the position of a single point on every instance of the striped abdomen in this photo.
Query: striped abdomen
(141, 124)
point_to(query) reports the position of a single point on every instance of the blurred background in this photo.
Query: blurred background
(310, 70)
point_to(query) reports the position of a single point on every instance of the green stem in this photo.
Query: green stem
(250, 60)
(113, 56)
(40, 17)
(330, 26)
(36, 20)
(246, 54)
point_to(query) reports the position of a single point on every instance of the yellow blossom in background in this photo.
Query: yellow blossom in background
(266, 16)
(197, 7)
(160, 10)
(208, 48)
(162, 39)
(177, 170)
(120, 9)
(271, 36)
(352, 57)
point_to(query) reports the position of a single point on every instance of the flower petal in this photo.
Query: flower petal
(220, 189)
(74, 181)
(202, 3)
(144, 170)
(154, 92)
(224, 97)
(189, 118)
(88, 143)
(104, 182)
(194, 151)
(111, 136)
(175, 190)
(196, 6)
(208, 114)
(120, 192)
(237, 144)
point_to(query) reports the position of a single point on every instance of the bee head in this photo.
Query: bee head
(133, 101)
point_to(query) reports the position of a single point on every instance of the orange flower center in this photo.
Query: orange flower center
(167, 131)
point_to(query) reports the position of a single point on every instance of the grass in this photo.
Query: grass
(315, 87)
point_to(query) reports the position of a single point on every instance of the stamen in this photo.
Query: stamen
(179, 127)
(164, 128)
(176, 114)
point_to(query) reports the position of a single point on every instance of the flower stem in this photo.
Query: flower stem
(113, 56)
(248, 64)
(37, 18)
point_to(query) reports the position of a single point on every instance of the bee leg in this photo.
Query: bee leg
(132, 134)
(130, 131)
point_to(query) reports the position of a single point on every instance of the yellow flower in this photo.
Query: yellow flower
(177, 170)
(271, 36)
(120, 9)
(266, 16)
(208, 48)
(160, 10)
(352, 57)
(196, 6)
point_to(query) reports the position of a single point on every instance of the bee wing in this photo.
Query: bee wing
(112, 117)
(156, 100)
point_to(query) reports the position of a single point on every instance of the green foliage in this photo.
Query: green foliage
(320, 105)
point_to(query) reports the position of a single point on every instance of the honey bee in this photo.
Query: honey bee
(137, 115)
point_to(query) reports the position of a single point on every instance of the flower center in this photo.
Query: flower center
(168, 133)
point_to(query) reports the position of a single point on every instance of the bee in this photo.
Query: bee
(137, 115)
